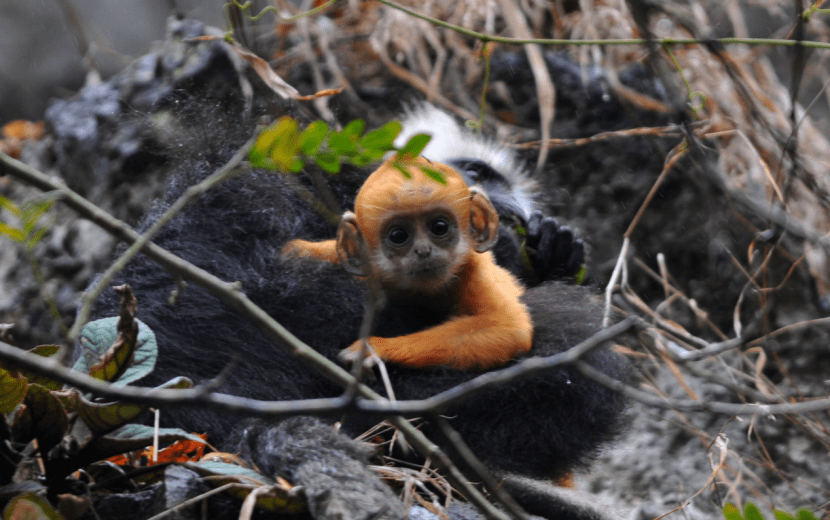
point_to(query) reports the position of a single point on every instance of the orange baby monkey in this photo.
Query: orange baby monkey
(428, 244)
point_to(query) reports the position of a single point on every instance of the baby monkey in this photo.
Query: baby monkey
(428, 244)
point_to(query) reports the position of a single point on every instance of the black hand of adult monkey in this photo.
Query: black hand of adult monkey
(427, 244)
(554, 251)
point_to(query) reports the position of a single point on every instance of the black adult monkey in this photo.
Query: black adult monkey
(546, 425)
(555, 253)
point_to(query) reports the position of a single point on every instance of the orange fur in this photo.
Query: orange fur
(487, 324)
(566, 481)
(325, 250)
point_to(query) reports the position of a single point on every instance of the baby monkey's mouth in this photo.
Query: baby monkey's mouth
(428, 271)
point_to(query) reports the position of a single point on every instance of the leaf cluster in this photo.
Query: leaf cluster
(28, 231)
(61, 426)
(282, 146)
(47, 425)
(751, 512)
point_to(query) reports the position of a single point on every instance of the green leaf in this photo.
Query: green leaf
(277, 146)
(354, 129)
(344, 142)
(34, 209)
(312, 137)
(131, 432)
(102, 418)
(328, 162)
(97, 337)
(751, 512)
(805, 514)
(413, 147)
(263, 144)
(360, 159)
(249, 476)
(731, 512)
(12, 391)
(45, 350)
(30, 507)
(287, 146)
(9, 206)
(49, 421)
(367, 156)
(580, 276)
(398, 165)
(782, 515)
(434, 174)
(115, 362)
(13, 233)
(342, 145)
(382, 139)
(35, 378)
(279, 498)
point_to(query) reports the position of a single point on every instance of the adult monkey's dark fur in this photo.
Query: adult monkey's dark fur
(545, 425)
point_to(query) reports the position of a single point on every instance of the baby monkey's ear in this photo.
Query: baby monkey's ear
(484, 221)
(351, 248)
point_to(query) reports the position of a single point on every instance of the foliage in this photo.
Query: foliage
(66, 429)
(282, 146)
(751, 512)
(70, 431)
(29, 231)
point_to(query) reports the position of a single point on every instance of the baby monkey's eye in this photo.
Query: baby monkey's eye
(398, 236)
(440, 227)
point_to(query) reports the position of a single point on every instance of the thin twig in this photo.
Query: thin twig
(221, 175)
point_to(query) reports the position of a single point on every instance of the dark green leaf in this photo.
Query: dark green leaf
(413, 147)
(382, 140)
(730, 512)
(434, 174)
(341, 144)
(751, 512)
(360, 160)
(312, 137)
(805, 514)
(328, 162)
(401, 168)
(367, 156)
(354, 129)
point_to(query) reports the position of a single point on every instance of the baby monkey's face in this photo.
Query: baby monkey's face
(420, 251)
